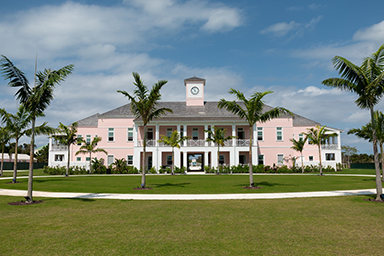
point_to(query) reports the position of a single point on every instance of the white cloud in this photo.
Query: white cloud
(281, 29)
(293, 28)
(373, 33)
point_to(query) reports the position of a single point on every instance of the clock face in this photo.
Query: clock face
(195, 90)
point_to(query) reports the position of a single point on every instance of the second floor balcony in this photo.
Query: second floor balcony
(197, 143)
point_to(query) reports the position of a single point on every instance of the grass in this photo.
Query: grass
(193, 184)
(306, 226)
(312, 226)
(21, 173)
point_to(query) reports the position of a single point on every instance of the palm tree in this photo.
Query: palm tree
(317, 136)
(217, 136)
(367, 81)
(252, 111)
(298, 145)
(18, 126)
(366, 132)
(4, 139)
(89, 148)
(174, 141)
(348, 151)
(35, 99)
(144, 105)
(67, 136)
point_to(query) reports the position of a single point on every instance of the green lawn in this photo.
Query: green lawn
(311, 226)
(36, 172)
(194, 184)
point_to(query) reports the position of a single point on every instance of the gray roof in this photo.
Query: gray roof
(193, 79)
(182, 112)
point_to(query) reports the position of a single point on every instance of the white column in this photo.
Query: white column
(159, 159)
(185, 159)
(177, 157)
(254, 135)
(136, 157)
(214, 156)
(206, 135)
(232, 157)
(157, 137)
(205, 158)
(185, 130)
(338, 141)
(234, 134)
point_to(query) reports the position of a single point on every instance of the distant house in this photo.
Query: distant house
(20, 158)
(122, 137)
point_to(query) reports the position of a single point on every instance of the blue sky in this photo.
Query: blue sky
(283, 46)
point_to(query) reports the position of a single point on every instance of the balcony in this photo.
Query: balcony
(59, 148)
(196, 143)
(329, 146)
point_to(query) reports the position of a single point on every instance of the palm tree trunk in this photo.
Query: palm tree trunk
(68, 160)
(302, 163)
(144, 157)
(379, 185)
(2, 160)
(30, 175)
(90, 161)
(320, 165)
(173, 160)
(251, 184)
(15, 162)
(382, 160)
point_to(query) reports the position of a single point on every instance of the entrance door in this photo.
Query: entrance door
(150, 141)
(195, 162)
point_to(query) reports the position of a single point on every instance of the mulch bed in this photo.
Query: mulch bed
(25, 203)
(139, 188)
(373, 200)
(252, 187)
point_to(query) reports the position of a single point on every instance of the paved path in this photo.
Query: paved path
(22, 193)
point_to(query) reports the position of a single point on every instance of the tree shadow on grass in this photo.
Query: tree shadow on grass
(44, 180)
(266, 184)
(180, 185)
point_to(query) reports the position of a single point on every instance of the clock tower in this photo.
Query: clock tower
(195, 91)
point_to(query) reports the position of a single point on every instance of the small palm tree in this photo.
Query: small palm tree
(317, 136)
(144, 106)
(367, 82)
(217, 136)
(298, 145)
(67, 136)
(18, 125)
(174, 141)
(366, 132)
(4, 139)
(348, 151)
(89, 148)
(252, 110)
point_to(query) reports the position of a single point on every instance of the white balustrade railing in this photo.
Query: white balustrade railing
(59, 148)
(242, 143)
(330, 146)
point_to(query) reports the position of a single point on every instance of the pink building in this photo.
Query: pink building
(122, 137)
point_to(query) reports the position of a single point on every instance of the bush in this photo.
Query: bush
(73, 170)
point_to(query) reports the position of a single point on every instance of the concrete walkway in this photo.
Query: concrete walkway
(22, 193)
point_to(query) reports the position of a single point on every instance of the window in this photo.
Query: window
(279, 133)
(260, 159)
(330, 156)
(111, 134)
(59, 158)
(260, 133)
(88, 139)
(78, 159)
(110, 160)
(88, 159)
(169, 132)
(310, 158)
(280, 159)
(195, 133)
(79, 139)
(169, 160)
(130, 134)
(130, 160)
(301, 136)
(181, 132)
(221, 159)
(240, 133)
